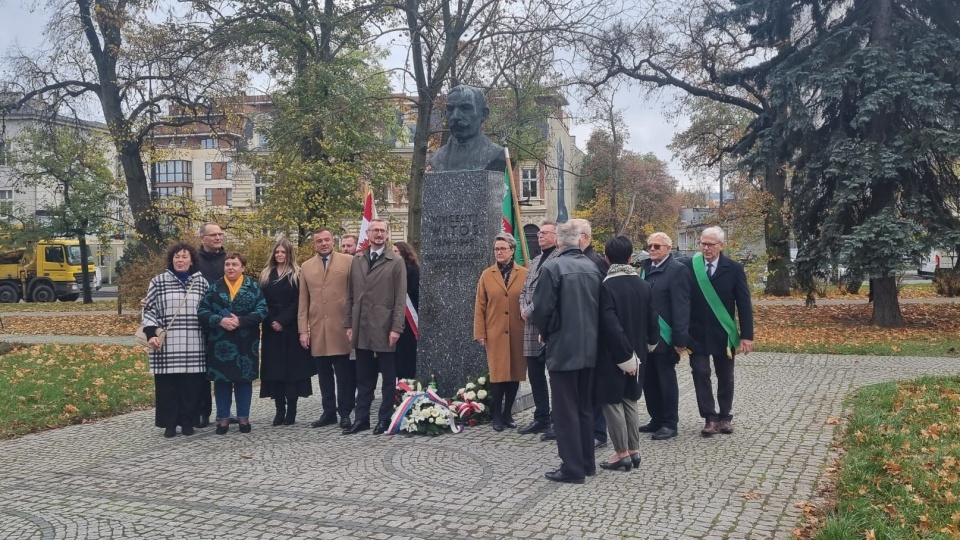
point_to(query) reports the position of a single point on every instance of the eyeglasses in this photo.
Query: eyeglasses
(544, 233)
(215, 234)
(378, 230)
(498, 249)
(710, 244)
(655, 246)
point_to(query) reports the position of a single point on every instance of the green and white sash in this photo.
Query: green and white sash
(713, 300)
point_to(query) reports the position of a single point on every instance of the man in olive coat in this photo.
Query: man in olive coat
(323, 297)
(374, 319)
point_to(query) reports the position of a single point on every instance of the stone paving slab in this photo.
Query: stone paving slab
(119, 478)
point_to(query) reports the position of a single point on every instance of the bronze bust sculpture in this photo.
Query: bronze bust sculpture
(468, 148)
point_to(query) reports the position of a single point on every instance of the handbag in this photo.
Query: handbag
(141, 337)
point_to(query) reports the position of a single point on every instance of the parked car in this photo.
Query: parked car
(938, 259)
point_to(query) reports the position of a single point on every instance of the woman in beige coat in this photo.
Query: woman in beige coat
(498, 327)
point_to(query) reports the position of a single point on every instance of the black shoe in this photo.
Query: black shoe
(345, 422)
(624, 464)
(381, 428)
(536, 426)
(663, 434)
(635, 458)
(170, 432)
(222, 430)
(548, 436)
(187, 430)
(357, 427)
(278, 418)
(508, 422)
(559, 476)
(598, 444)
(327, 420)
(204, 422)
(648, 428)
(245, 428)
(498, 426)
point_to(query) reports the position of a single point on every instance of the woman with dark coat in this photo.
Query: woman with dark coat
(178, 365)
(628, 324)
(231, 312)
(407, 344)
(286, 367)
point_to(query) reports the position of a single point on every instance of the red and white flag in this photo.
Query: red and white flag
(363, 241)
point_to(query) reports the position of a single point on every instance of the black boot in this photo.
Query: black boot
(496, 391)
(281, 411)
(509, 397)
(291, 417)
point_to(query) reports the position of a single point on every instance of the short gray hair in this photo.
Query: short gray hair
(568, 234)
(509, 239)
(584, 227)
(662, 236)
(203, 228)
(716, 232)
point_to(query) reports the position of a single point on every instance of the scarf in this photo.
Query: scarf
(505, 270)
(621, 270)
(233, 287)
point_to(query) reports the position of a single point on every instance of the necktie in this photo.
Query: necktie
(325, 261)
(373, 257)
(710, 269)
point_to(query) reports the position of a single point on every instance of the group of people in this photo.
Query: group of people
(607, 333)
(341, 315)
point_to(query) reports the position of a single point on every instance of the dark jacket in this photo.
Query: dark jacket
(284, 360)
(730, 282)
(601, 263)
(628, 323)
(233, 356)
(566, 310)
(406, 358)
(671, 298)
(211, 264)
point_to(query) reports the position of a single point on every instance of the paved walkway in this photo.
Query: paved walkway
(119, 478)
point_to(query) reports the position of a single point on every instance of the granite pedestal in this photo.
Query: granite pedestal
(462, 213)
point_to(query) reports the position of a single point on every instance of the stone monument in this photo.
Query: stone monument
(462, 213)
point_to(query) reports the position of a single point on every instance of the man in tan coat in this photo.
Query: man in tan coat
(323, 289)
(374, 320)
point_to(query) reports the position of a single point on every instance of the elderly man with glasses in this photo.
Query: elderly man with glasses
(719, 291)
(671, 298)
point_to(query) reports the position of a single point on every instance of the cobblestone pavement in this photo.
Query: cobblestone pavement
(119, 478)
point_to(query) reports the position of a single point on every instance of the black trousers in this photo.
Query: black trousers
(700, 367)
(338, 384)
(176, 398)
(661, 389)
(204, 398)
(367, 369)
(537, 372)
(573, 420)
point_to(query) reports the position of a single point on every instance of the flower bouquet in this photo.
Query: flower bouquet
(472, 402)
(422, 412)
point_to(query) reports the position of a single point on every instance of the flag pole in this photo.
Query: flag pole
(516, 208)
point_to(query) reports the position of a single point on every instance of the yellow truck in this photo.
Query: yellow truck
(45, 271)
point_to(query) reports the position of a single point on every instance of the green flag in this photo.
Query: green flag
(511, 220)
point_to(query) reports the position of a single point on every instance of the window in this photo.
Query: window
(6, 201)
(219, 196)
(179, 191)
(259, 188)
(209, 144)
(5, 148)
(53, 254)
(218, 170)
(174, 172)
(530, 184)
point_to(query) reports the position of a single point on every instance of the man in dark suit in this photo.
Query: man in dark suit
(708, 337)
(374, 319)
(671, 298)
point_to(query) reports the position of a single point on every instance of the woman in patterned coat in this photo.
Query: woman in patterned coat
(231, 313)
(179, 365)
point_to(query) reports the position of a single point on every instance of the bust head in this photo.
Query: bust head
(466, 111)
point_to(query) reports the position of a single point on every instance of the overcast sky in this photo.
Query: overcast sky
(22, 21)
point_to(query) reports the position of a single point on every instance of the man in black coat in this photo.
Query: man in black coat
(210, 263)
(708, 337)
(671, 299)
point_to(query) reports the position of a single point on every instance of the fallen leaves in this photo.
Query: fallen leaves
(71, 325)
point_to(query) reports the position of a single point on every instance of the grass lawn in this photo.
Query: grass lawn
(59, 306)
(47, 386)
(899, 475)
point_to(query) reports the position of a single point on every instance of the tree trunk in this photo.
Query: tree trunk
(886, 304)
(417, 166)
(144, 215)
(85, 269)
(775, 233)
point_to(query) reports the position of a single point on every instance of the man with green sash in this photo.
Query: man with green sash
(671, 298)
(719, 291)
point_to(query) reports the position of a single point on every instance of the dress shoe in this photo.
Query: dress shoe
(381, 428)
(550, 435)
(559, 476)
(204, 422)
(535, 427)
(498, 426)
(726, 427)
(327, 420)
(170, 432)
(710, 428)
(345, 422)
(598, 444)
(626, 464)
(187, 430)
(223, 429)
(509, 423)
(245, 428)
(635, 458)
(648, 428)
(357, 427)
(663, 434)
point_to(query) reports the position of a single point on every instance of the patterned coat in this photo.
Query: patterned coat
(531, 345)
(233, 356)
(183, 349)
(496, 318)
